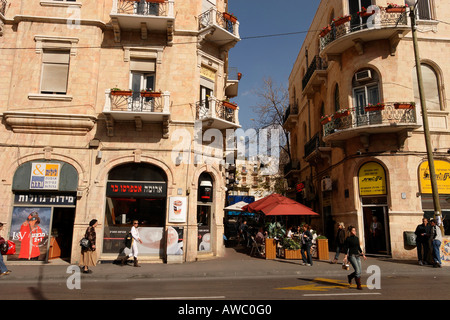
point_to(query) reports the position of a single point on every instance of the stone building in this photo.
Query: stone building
(358, 155)
(104, 105)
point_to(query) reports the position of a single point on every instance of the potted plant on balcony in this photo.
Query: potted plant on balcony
(229, 17)
(392, 7)
(325, 119)
(149, 93)
(239, 75)
(365, 13)
(325, 31)
(291, 249)
(341, 113)
(120, 92)
(404, 105)
(374, 107)
(341, 20)
(229, 105)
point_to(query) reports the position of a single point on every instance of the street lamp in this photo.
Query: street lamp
(412, 4)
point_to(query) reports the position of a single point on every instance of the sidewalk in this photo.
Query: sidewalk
(234, 264)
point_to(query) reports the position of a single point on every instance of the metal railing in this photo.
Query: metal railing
(358, 117)
(143, 7)
(213, 17)
(358, 23)
(135, 102)
(313, 144)
(316, 64)
(214, 108)
(291, 110)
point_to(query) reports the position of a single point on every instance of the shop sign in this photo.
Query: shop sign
(372, 179)
(44, 176)
(136, 189)
(44, 199)
(442, 169)
(177, 209)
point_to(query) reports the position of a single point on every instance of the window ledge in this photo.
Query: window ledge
(54, 97)
(60, 4)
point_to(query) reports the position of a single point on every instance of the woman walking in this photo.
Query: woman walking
(353, 251)
(340, 238)
(306, 241)
(89, 255)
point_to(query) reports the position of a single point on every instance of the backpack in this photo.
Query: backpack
(128, 240)
(3, 246)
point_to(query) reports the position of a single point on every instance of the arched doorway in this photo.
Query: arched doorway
(135, 191)
(205, 212)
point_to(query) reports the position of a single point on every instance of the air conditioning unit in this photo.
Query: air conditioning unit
(326, 184)
(363, 75)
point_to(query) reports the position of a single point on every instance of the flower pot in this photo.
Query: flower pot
(239, 75)
(156, 1)
(403, 106)
(396, 10)
(151, 94)
(271, 249)
(366, 13)
(325, 120)
(342, 20)
(292, 254)
(325, 31)
(229, 105)
(373, 108)
(121, 93)
(229, 17)
(322, 249)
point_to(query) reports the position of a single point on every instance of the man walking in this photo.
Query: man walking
(134, 248)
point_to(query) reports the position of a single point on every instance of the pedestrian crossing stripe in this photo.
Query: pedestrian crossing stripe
(321, 284)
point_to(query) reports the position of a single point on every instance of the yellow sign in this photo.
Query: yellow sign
(372, 179)
(442, 169)
(208, 73)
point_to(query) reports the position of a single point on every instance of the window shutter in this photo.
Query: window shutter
(55, 71)
(142, 65)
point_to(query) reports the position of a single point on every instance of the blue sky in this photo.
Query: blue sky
(265, 57)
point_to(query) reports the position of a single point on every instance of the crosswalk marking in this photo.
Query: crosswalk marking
(321, 284)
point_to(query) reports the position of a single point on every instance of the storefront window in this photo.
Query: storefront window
(204, 212)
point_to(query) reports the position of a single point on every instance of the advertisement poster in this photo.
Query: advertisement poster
(152, 241)
(45, 176)
(177, 209)
(30, 232)
(174, 240)
(204, 238)
(442, 171)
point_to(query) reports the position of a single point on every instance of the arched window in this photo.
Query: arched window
(430, 82)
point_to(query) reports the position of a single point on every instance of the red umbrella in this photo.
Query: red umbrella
(278, 205)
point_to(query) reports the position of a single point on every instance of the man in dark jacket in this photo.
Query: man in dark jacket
(423, 232)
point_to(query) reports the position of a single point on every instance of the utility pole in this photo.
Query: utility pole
(434, 188)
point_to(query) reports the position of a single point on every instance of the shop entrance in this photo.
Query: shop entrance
(61, 233)
(376, 230)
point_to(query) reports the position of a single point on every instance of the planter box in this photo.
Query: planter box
(325, 120)
(151, 94)
(403, 106)
(121, 93)
(229, 17)
(229, 105)
(342, 114)
(292, 254)
(366, 14)
(325, 31)
(342, 20)
(156, 1)
(271, 249)
(396, 10)
(322, 249)
(373, 108)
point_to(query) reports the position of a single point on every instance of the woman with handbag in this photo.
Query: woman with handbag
(88, 254)
(352, 253)
(3, 269)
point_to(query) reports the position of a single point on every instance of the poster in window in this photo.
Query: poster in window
(30, 232)
(177, 209)
(174, 240)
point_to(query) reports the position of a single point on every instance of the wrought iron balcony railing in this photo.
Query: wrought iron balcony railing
(388, 116)
(129, 101)
(383, 20)
(213, 17)
(213, 108)
(143, 7)
(313, 144)
(316, 64)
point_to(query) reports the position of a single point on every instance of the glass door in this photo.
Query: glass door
(376, 230)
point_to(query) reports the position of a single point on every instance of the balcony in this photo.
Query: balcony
(354, 33)
(232, 85)
(290, 117)
(129, 106)
(315, 76)
(143, 15)
(315, 150)
(216, 114)
(215, 27)
(361, 123)
(292, 169)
